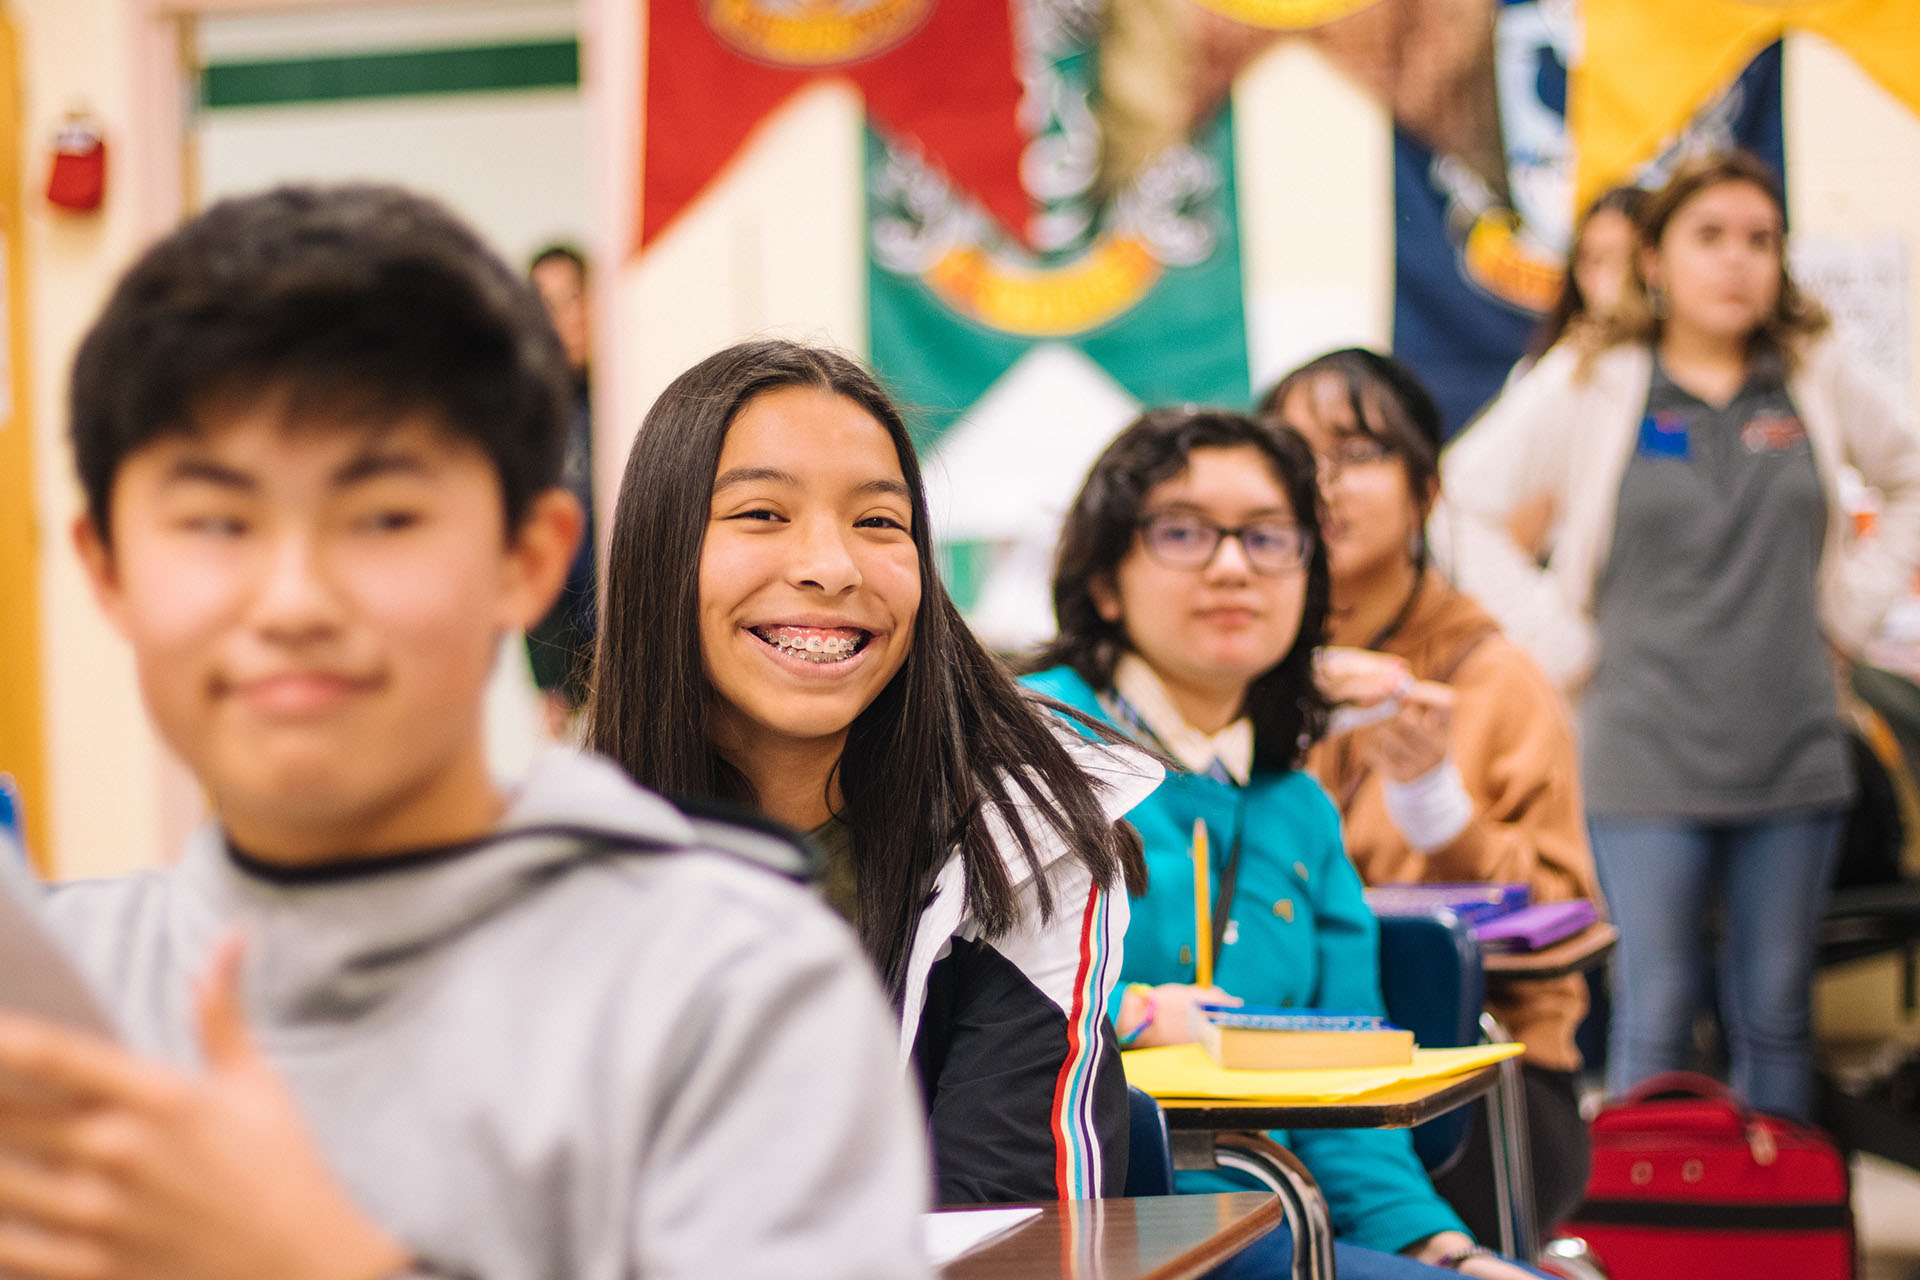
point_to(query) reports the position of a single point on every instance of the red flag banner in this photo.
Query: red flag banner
(937, 75)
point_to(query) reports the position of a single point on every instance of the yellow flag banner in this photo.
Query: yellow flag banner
(1649, 66)
(22, 733)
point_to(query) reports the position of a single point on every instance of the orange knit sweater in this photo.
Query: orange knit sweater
(1514, 746)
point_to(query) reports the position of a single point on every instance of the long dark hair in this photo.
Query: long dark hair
(1283, 702)
(1797, 317)
(948, 739)
(1571, 305)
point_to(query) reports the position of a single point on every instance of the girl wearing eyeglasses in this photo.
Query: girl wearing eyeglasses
(1190, 591)
(1473, 775)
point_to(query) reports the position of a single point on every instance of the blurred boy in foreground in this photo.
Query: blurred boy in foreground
(383, 1019)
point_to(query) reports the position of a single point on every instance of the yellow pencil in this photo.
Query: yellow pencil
(1202, 907)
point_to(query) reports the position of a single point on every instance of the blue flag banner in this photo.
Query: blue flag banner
(1477, 266)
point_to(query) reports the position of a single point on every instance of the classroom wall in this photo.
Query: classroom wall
(109, 786)
(513, 162)
(117, 800)
(774, 248)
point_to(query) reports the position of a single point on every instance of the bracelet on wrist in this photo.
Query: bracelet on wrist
(1144, 991)
(1453, 1258)
(419, 1268)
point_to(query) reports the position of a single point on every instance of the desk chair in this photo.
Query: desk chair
(1874, 910)
(1430, 977)
(1149, 1149)
(1431, 980)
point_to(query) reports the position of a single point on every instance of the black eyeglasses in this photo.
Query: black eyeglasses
(1181, 541)
(1350, 453)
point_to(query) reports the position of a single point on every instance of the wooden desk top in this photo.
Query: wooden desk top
(1399, 1108)
(1149, 1238)
(1582, 951)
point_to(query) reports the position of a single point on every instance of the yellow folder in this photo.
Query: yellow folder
(1185, 1071)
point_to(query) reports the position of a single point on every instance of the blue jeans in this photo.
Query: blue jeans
(1770, 876)
(1271, 1258)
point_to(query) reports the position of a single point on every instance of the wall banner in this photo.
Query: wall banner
(1021, 357)
(1479, 259)
(936, 73)
(1153, 294)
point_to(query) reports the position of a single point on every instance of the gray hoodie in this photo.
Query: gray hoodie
(554, 1054)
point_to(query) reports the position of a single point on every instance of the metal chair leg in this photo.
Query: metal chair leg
(1279, 1169)
(1512, 1156)
(1569, 1256)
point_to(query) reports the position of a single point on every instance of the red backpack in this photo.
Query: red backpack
(1687, 1181)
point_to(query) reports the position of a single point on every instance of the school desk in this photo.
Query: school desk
(1230, 1134)
(1148, 1238)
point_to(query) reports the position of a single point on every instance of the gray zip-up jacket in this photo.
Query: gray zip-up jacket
(591, 1047)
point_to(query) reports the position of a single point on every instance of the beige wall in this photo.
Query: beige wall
(107, 788)
(1853, 153)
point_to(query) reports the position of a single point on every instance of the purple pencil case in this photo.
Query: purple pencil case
(1536, 927)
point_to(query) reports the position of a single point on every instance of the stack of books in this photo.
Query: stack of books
(1262, 1038)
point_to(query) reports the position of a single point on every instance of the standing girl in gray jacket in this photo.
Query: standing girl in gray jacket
(1704, 571)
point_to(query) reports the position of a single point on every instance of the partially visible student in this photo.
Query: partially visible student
(1704, 574)
(1599, 268)
(776, 636)
(383, 1019)
(1191, 591)
(1598, 271)
(560, 645)
(1475, 777)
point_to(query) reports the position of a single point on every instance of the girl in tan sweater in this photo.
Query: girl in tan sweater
(1475, 777)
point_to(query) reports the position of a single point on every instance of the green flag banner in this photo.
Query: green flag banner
(1151, 295)
(1021, 361)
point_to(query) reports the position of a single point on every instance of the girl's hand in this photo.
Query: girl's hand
(1358, 677)
(1486, 1266)
(1416, 740)
(1162, 1014)
(1529, 523)
(115, 1167)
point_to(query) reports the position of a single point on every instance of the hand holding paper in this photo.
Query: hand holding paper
(1416, 739)
(121, 1167)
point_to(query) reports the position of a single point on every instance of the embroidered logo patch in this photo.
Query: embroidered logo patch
(1772, 432)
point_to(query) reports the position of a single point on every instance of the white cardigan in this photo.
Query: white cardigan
(1558, 435)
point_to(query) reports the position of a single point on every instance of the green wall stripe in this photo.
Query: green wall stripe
(548, 65)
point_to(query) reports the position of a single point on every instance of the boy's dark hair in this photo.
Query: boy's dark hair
(1101, 526)
(949, 738)
(363, 301)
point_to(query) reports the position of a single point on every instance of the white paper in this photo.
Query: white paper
(36, 976)
(1863, 283)
(958, 1231)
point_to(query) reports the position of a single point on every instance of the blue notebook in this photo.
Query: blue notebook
(1266, 1017)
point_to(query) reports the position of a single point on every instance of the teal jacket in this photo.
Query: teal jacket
(1298, 933)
